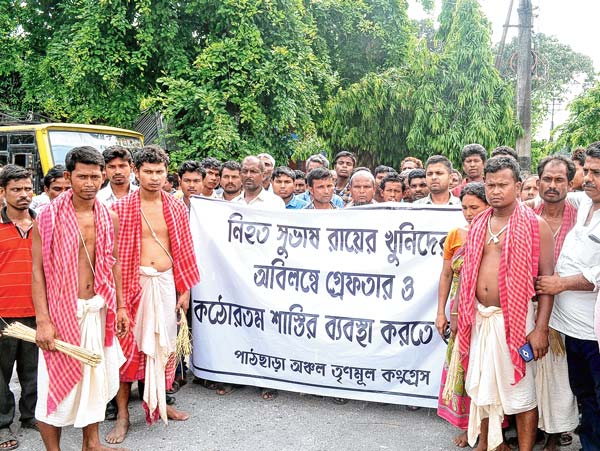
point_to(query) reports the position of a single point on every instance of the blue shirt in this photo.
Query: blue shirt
(337, 200)
(295, 203)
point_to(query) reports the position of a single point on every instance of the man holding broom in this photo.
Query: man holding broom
(159, 268)
(77, 297)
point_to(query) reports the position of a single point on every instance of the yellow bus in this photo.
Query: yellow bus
(38, 147)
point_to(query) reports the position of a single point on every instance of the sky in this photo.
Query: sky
(573, 22)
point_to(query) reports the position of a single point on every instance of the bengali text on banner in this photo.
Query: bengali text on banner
(337, 303)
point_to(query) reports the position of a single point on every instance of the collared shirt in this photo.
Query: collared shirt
(337, 200)
(457, 189)
(15, 268)
(39, 201)
(295, 203)
(344, 193)
(264, 200)
(428, 201)
(107, 197)
(573, 312)
(351, 204)
(311, 206)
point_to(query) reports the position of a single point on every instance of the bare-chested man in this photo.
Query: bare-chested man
(76, 290)
(159, 268)
(507, 247)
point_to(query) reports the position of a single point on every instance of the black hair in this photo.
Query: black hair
(476, 189)
(173, 179)
(558, 159)
(439, 159)
(344, 153)
(416, 174)
(473, 149)
(231, 165)
(56, 172)
(506, 151)
(393, 177)
(112, 152)
(300, 175)
(211, 163)
(152, 154)
(317, 174)
(191, 166)
(593, 150)
(13, 172)
(83, 155)
(283, 170)
(494, 165)
(382, 168)
(578, 156)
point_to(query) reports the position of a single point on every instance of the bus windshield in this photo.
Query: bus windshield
(62, 141)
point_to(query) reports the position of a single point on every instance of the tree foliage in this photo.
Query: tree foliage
(583, 125)
(558, 67)
(254, 85)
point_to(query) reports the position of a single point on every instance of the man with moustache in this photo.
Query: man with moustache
(321, 187)
(191, 174)
(117, 160)
(556, 403)
(299, 182)
(253, 193)
(578, 157)
(417, 183)
(574, 285)
(507, 247)
(473, 158)
(362, 189)
(231, 180)
(437, 176)
(269, 163)
(391, 188)
(16, 302)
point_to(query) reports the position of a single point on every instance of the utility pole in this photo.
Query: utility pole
(500, 54)
(524, 83)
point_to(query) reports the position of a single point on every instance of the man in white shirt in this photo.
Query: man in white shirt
(252, 172)
(574, 286)
(437, 175)
(118, 172)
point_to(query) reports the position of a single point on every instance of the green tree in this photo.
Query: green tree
(254, 85)
(359, 37)
(583, 125)
(557, 68)
(461, 98)
(11, 50)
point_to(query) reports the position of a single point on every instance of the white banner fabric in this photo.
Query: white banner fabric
(337, 303)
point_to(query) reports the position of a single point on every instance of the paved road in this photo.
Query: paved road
(243, 421)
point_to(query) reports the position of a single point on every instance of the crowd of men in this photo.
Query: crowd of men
(103, 259)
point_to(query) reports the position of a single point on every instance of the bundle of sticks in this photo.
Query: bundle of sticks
(183, 345)
(23, 332)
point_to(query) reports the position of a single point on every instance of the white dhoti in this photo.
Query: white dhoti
(557, 405)
(155, 332)
(490, 377)
(86, 403)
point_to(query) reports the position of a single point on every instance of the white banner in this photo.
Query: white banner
(338, 303)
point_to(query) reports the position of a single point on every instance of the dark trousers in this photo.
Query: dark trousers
(26, 356)
(583, 358)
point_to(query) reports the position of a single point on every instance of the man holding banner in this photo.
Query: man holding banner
(508, 246)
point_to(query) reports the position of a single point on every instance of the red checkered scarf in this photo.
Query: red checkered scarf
(569, 220)
(185, 269)
(518, 267)
(59, 234)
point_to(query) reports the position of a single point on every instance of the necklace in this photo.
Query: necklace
(494, 236)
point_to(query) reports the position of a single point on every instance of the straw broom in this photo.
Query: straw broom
(22, 332)
(183, 346)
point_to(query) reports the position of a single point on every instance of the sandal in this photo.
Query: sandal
(340, 401)
(225, 389)
(268, 394)
(211, 385)
(29, 424)
(174, 388)
(565, 439)
(7, 437)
